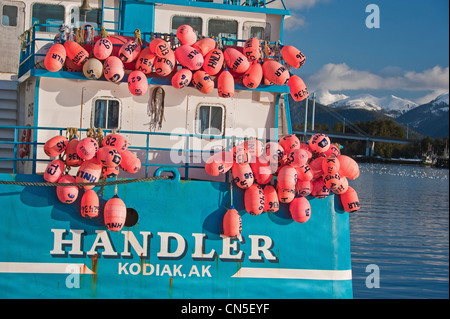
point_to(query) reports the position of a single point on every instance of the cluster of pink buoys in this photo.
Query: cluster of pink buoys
(286, 172)
(93, 162)
(201, 63)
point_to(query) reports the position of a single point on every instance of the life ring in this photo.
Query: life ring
(24, 149)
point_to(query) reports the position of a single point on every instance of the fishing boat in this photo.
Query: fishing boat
(173, 242)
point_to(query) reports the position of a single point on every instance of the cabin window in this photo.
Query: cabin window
(210, 120)
(9, 16)
(47, 14)
(106, 113)
(79, 17)
(223, 28)
(194, 22)
(257, 32)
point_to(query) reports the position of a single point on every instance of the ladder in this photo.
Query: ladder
(8, 116)
(111, 14)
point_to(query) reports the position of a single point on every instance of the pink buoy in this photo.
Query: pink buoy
(252, 78)
(54, 171)
(69, 66)
(242, 175)
(55, 58)
(186, 35)
(76, 52)
(67, 194)
(113, 69)
(89, 172)
(72, 158)
(129, 51)
(205, 45)
(333, 150)
(332, 181)
(330, 165)
(275, 72)
(261, 169)
(285, 195)
(182, 78)
(255, 148)
(252, 49)
(90, 204)
(350, 200)
(110, 172)
(165, 65)
(137, 83)
(320, 190)
(87, 148)
(145, 61)
(232, 223)
(289, 143)
(300, 209)
(115, 214)
(236, 61)
(287, 177)
(319, 143)
(348, 167)
(102, 48)
(297, 88)
(202, 81)
(130, 162)
(241, 155)
(342, 186)
(225, 84)
(316, 167)
(293, 56)
(213, 62)
(109, 156)
(304, 188)
(160, 47)
(219, 163)
(271, 201)
(189, 57)
(297, 158)
(304, 173)
(273, 154)
(117, 141)
(55, 146)
(254, 199)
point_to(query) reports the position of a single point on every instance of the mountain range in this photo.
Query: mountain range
(429, 119)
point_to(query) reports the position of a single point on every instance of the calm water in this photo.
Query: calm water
(402, 228)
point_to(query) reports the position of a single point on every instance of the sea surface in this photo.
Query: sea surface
(399, 237)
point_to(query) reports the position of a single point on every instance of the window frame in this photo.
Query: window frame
(225, 20)
(17, 15)
(199, 123)
(108, 99)
(39, 29)
(200, 33)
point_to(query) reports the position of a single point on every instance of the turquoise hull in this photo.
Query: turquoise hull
(175, 250)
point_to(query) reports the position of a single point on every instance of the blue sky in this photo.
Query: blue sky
(408, 56)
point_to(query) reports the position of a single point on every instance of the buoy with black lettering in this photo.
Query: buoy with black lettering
(304, 173)
(289, 143)
(76, 52)
(254, 199)
(350, 200)
(297, 87)
(160, 47)
(225, 84)
(202, 81)
(102, 48)
(137, 83)
(252, 49)
(130, 163)
(261, 169)
(348, 167)
(232, 223)
(93, 69)
(287, 177)
(252, 78)
(55, 146)
(87, 148)
(297, 158)
(164, 65)
(72, 158)
(67, 194)
(189, 57)
(293, 56)
(145, 61)
(242, 175)
(319, 190)
(304, 188)
(285, 195)
(213, 61)
(319, 143)
(271, 202)
(219, 163)
(89, 172)
(54, 171)
(89, 204)
(119, 142)
(330, 165)
(186, 34)
(300, 209)
(55, 58)
(109, 156)
(129, 51)
(113, 69)
(115, 214)
(205, 45)
(182, 78)
(275, 72)
(236, 61)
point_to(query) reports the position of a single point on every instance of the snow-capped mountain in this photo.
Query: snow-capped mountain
(390, 105)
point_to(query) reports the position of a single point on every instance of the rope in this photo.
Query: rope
(103, 183)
